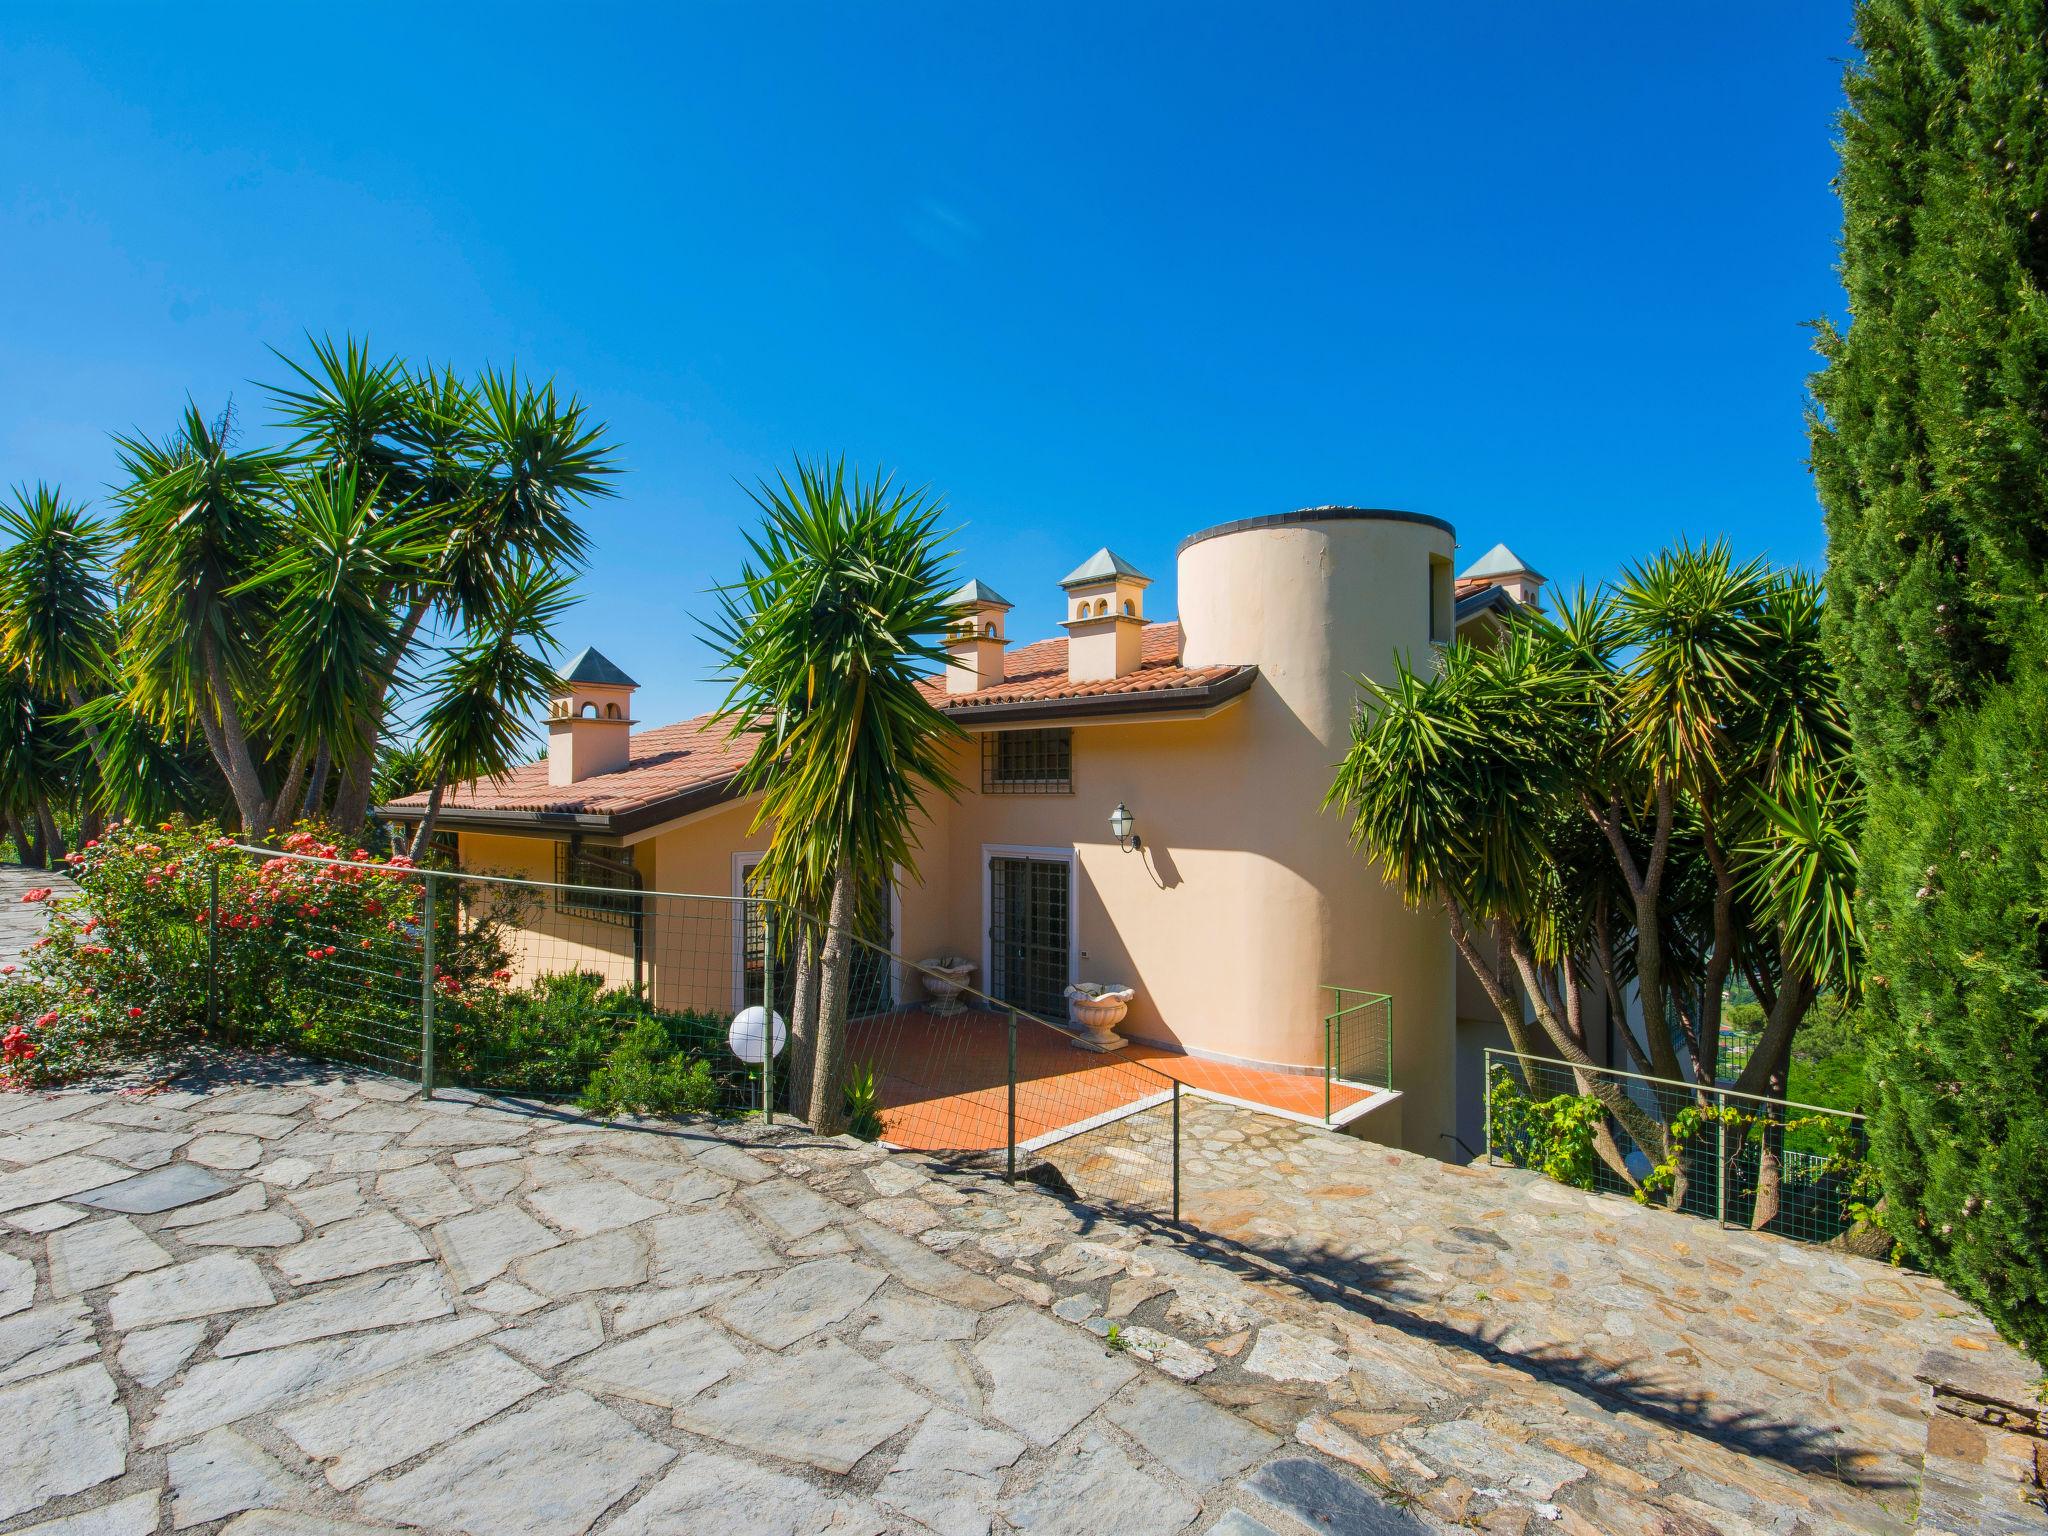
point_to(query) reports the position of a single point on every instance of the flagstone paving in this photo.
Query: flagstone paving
(466, 1317)
(471, 1317)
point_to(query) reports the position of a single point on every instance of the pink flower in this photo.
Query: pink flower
(39, 893)
(92, 842)
(15, 1045)
(7, 969)
(45, 1021)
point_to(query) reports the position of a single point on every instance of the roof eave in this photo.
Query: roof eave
(696, 797)
(1191, 699)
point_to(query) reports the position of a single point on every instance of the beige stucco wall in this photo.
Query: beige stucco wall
(690, 943)
(1246, 897)
(1315, 605)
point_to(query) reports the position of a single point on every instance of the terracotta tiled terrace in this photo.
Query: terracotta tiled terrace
(945, 1085)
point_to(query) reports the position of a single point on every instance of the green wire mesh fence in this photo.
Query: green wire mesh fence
(1358, 1043)
(660, 1003)
(1797, 1170)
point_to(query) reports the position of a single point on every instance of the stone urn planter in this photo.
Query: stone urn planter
(1098, 1007)
(943, 978)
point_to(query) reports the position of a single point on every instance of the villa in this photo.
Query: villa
(1224, 894)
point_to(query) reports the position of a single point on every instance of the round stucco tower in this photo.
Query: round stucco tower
(1315, 599)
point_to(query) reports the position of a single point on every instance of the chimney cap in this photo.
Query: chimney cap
(980, 594)
(1104, 565)
(592, 666)
(1498, 562)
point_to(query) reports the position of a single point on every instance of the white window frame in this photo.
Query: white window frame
(1068, 855)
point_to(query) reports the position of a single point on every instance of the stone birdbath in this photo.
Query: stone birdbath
(943, 978)
(1098, 1007)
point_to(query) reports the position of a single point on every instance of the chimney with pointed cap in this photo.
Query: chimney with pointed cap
(974, 641)
(589, 719)
(1502, 567)
(1105, 621)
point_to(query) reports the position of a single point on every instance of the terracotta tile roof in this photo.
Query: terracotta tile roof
(675, 768)
(1039, 672)
(1465, 586)
(661, 763)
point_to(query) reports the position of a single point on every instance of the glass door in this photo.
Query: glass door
(1029, 938)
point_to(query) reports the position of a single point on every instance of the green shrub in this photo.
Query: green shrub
(1553, 1136)
(547, 1038)
(323, 958)
(646, 1074)
(1957, 893)
(863, 1103)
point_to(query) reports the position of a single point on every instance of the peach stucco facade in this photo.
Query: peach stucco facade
(1244, 896)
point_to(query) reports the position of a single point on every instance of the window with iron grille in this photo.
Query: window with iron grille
(1027, 762)
(611, 868)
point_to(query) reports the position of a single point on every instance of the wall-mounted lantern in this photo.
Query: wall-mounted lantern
(1121, 825)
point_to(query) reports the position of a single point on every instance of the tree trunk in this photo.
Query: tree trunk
(25, 847)
(229, 743)
(316, 786)
(53, 836)
(286, 807)
(828, 1112)
(75, 701)
(352, 796)
(803, 1011)
(1501, 994)
(423, 838)
(1770, 1173)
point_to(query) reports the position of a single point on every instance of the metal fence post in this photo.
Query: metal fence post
(1390, 1042)
(1486, 1066)
(1329, 1024)
(1011, 1138)
(213, 946)
(767, 1007)
(427, 992)
(1720, 1158)
(1176, 1149)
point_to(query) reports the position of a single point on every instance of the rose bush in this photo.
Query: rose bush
(320, 957)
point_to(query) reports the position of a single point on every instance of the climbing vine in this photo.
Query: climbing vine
(1553, 1136)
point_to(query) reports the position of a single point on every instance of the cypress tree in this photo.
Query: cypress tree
(1930, 453)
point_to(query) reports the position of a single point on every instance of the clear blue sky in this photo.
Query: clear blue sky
(1099, 274)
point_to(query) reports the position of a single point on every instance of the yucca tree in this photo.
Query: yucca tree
(487, 693)
(1649, 789)
(56, 622)
(839, 611)
(199, 518)
(34, 778)
(334, 638)
(498, 469)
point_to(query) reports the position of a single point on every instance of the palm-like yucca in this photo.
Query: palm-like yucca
(55, 621)
(838, 613)
(1649, 788)
(333, 644)
(33, 778)
(351, 414)
(199, 517)
(492, 685)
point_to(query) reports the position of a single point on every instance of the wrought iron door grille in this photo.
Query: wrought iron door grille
(1027, 762)
(1028, 933)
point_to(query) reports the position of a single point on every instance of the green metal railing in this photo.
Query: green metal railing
(1358, 1042)
(1721, 1151)
(494, 983)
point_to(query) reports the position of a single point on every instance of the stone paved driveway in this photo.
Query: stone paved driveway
(1508, 1350)
(310, 1303)
(21, 922)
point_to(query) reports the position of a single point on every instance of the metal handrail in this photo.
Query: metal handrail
(1672, 1082)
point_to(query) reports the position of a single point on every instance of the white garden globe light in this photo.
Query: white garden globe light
(749, 1033)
